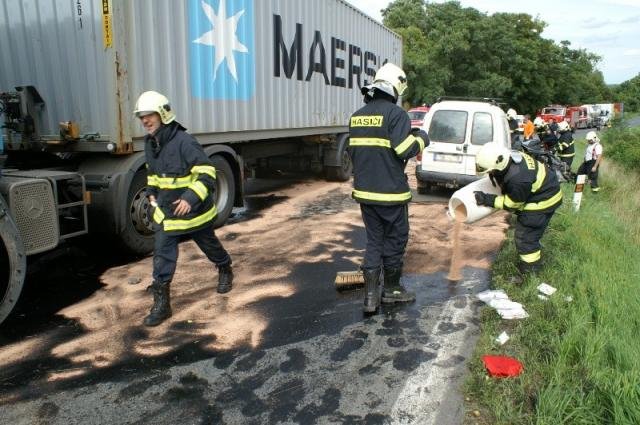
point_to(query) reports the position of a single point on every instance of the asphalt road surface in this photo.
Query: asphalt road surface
(283, 347)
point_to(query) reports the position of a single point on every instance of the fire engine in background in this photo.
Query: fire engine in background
(417, 115)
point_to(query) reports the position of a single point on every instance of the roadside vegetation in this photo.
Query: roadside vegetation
(580, 348)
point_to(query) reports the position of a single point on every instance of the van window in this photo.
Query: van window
(448, 126)
(482, 130)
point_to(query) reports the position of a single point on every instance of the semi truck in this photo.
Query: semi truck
(261, 84)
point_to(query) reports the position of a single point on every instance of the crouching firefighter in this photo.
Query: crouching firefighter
(529, 189)
(381, 142)
(181, 183)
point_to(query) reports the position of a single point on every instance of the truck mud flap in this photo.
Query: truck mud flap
(13, 262)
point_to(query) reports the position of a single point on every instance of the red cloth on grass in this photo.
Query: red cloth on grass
(502, 366)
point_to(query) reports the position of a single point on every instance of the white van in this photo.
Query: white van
(457, 129)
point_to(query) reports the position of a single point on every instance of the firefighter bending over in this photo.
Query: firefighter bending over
(181, 183)
(381, 143)
(529, 189)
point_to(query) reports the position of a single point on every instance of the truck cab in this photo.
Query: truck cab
(457, 129)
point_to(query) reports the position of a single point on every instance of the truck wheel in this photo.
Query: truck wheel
(137, 236)
(341, 173)
(13, 264)
(225, 189)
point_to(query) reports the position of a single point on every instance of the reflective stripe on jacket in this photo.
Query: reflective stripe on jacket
(380, 143)
(178, 168)
(566, 147)
(528, 186)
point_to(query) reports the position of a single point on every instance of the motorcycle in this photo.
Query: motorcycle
(537, 149)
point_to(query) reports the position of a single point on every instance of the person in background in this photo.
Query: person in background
(514, 128)
(528, 127)
(592, 160)
(545, 134)
(529, 189)
(381, 142)
(181, 185)
(565, 148)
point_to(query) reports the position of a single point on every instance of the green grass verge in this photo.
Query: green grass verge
(581, 357)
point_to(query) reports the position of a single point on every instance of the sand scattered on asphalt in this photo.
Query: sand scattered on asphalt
(313, 225)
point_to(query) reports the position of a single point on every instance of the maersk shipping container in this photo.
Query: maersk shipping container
(232, 69)
(262, 84)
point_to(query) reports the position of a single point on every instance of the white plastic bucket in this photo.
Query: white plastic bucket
(463, 206)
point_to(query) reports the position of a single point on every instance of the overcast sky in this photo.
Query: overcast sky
(608, 28)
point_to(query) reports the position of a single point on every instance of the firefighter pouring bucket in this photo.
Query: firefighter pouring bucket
(463, 206)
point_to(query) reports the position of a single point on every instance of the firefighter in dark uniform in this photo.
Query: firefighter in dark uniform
(181, 184)
(515, 131)
(565, 149)
(381, 142)
(546, 134)
(529, 189)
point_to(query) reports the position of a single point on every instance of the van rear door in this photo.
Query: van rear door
(446, 152)
(482, 132)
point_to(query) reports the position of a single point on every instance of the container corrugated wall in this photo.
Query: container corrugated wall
(57, 47)
(171, 45)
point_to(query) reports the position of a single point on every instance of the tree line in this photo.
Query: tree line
(450, 50)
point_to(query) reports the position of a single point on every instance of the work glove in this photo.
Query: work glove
(418, 132)
(482, 198)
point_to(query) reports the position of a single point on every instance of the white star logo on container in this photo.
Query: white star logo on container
(222, 37)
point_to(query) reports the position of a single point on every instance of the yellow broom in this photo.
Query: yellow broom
(349, 278)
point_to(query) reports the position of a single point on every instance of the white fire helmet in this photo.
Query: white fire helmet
(592, 137)
(563, 127)
(511, 114)
(391, 79)
(539, 123)
(152, 101)
(491, 157)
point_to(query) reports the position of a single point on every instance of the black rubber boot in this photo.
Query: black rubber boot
(161, 309)
(393, 291)
(225, 278)
(371, 290)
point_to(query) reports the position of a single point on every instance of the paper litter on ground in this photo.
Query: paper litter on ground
(546, 289)
(506, 308)
(502, 338)
(543, 297)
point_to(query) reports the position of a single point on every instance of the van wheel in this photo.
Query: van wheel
(425, 189)
(225, 189)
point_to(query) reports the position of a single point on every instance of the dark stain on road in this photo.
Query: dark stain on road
(48, 411)
(311, 413)
(410, 360)
(297, 361)
(396, 342)
(249, 361)
(139, 387)
(445, 328)
(349, 345)
(284, 400)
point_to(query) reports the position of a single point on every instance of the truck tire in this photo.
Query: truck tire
(225, 189)
(13, 263)
(341, 173)
(137, 236)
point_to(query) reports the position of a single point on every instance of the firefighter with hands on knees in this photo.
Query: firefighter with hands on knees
(592, 158)
(180, 187)
(381, 142)
(529, 189)
(565, 149)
